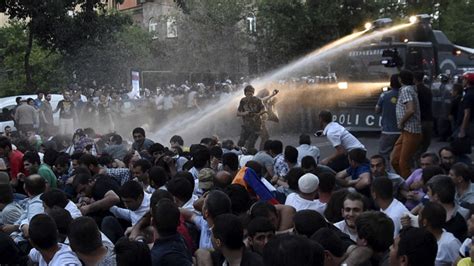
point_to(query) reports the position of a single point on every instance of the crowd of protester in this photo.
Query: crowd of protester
(101, 201)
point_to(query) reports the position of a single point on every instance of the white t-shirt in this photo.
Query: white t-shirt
(342, 225)
(63, 257)
(395, 211)
(308, 150)
(133, 216)
(338, 135)
(448, 249)
(299, 203)
(73, 210)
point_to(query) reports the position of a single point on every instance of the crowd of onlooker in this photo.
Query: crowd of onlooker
(101, 201)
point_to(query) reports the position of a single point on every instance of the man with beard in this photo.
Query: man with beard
(353, 206)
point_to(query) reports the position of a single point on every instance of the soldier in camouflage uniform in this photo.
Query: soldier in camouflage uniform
(250, 109)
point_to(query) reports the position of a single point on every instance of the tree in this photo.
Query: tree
(62, 26)
(45, 67)
(457, 23)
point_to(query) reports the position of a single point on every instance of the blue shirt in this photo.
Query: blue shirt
(356, 172)
(206, 233)
(387, 103)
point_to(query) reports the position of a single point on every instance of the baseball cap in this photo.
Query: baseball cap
(308, 183)
(206, 178)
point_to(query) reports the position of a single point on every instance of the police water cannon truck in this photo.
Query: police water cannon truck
(416, 47)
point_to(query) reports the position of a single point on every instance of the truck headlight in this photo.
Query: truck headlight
(342, 85)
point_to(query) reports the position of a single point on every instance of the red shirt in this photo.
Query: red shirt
(15, 159)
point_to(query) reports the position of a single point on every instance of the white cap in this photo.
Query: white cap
(308, 183)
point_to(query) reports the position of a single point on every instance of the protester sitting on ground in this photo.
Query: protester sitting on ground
(378, 169)
(307, 222)
(223, 179)
(375, 236)
(63, 219)
(169, 248)
(115, 147)
(10, 253)
(43, 236)
(230, 163)
(291, 157)
(182, 191)
(280, 167)
(259, 231)
(10, 211)
(137, 204)
(414, 182)
(215, 203)
(465, 249)
(447, 158)
(334, 206)
(433, 218)
(15, 159)
(305, 149)
(353, 206)
(305, 199)
(129, 252)
(289, 250)
(281, 216)
(227, 235)
(34, 186)
(86, 241)
(97, 194)
(56, 197)
(382, 194)
(158, 178)
(414, 246)
(358, 173)
(141, 143)
(461, 175)
(334, 252)
(140, 172)
(32, 162)
(264, 158)
(441, 189)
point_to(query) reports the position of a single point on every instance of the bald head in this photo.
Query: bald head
(35, 185)
(223, 179)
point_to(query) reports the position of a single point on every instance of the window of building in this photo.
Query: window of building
(171, 28)
(153, 27)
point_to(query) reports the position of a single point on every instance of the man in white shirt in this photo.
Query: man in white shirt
(182, 191)
(353, 206)
(305, 199)
(43, 236)
(137, 202)
(432, 218)
(305, 149)
(340, 139)
(35, 185)
(56, 197)
(382, 193)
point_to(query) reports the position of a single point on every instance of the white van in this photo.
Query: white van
(10, 103)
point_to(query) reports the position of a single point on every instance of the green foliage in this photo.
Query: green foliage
(44, 64)
(457, 22)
